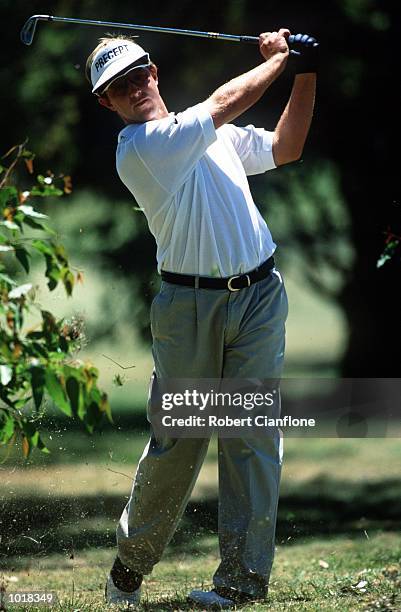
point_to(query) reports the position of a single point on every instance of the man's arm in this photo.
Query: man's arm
(293, 126)
(235, 97)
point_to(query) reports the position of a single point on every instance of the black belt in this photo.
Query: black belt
(232, 283)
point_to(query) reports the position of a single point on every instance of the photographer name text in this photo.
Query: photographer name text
(227, 421)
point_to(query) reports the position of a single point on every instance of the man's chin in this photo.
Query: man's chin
(142, 115)
(144, 112)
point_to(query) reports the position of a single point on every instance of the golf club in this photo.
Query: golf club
(28, 31)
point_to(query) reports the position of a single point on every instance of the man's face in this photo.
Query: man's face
(135, 96)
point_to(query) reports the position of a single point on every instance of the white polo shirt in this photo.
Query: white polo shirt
(191, 181)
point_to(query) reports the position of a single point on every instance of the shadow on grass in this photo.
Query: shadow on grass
(177, 603)
(38, 526)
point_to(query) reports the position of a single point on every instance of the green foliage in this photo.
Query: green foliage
(37, 361)
(311, 223)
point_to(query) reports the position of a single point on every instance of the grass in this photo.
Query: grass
(331, 574)
(338, 525)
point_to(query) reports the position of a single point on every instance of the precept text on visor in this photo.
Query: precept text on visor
(106, 57)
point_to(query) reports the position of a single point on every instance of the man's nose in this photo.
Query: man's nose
(133, 88)
(133, 85)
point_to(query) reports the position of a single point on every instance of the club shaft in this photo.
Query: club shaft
(133, 26)
(28, 31)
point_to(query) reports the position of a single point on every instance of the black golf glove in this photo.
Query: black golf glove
(306, 59)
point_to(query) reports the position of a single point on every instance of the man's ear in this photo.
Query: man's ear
(153, 72)
(104, 101)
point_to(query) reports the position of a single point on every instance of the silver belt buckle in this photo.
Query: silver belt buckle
(230, 280)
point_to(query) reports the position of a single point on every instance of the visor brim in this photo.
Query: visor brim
(107, 78)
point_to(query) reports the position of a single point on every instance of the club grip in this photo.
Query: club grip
(303, 39)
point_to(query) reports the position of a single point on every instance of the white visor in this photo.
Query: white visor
(115, 59)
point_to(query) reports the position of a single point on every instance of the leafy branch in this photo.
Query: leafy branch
(37, 362)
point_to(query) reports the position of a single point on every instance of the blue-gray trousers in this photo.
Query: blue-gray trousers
(208, 333)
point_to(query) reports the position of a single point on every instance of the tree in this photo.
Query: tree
(40, 359)
(359, 117)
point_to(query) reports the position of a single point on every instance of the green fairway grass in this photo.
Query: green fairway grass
(338, 525)
(331, 574)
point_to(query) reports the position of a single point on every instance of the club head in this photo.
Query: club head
(29, 28)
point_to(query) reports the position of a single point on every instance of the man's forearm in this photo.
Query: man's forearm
(235, 97)
(293, 126)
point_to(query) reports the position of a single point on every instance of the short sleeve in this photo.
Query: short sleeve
(254, 147)
(169, 148)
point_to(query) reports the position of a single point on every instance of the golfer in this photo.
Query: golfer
(222, 306)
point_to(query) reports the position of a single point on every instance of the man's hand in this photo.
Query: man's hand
(308, 55)
(272, 43)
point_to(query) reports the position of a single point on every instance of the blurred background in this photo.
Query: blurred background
(329, 213)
